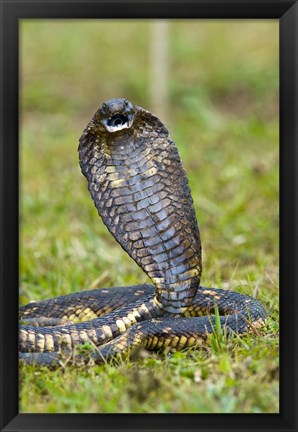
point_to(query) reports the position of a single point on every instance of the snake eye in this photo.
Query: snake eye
(117, 120)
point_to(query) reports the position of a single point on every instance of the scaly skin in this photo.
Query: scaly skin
(140, 189)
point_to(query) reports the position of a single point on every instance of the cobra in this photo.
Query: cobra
(139, 186)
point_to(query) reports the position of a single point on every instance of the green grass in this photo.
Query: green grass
(222, 114)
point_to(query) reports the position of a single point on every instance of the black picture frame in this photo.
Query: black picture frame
(287, 13)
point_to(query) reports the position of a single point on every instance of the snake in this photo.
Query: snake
(140, 189)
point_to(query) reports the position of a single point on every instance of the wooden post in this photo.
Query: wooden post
(159, 65)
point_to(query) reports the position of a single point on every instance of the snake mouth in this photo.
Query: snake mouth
(118, 122)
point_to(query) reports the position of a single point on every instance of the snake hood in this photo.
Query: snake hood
(140, 189)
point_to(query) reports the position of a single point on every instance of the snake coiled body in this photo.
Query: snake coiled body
(140, 189)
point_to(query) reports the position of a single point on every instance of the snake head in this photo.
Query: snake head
(115, 115)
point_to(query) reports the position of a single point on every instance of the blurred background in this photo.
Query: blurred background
(215, 86)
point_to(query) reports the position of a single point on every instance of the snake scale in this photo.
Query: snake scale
(139, 186)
